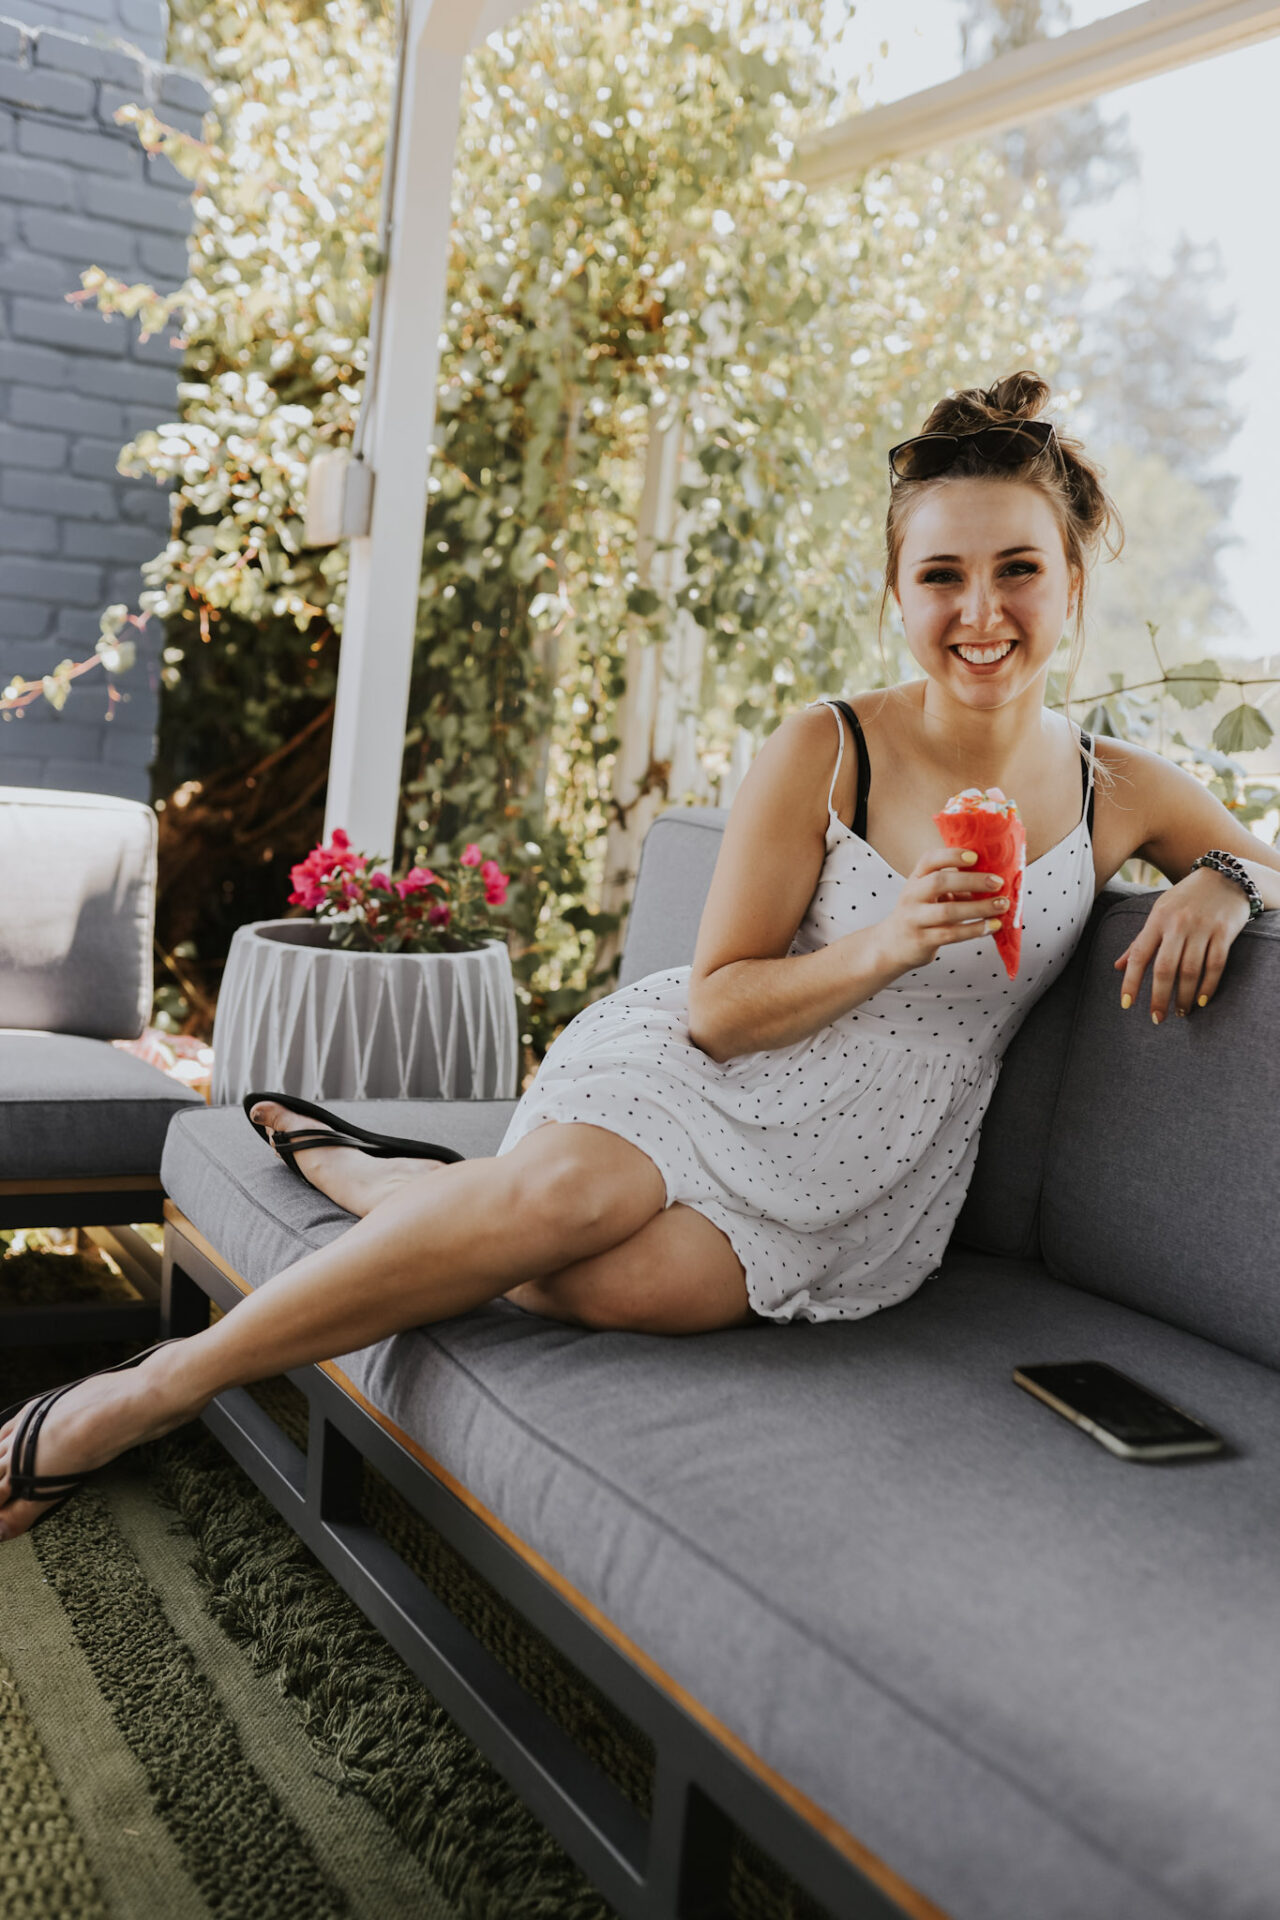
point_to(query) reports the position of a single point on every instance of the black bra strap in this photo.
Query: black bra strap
(1088, 790)
(864, 769)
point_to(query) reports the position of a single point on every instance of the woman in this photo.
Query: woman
(787, 1128)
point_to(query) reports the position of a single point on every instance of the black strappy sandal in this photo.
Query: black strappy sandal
(336, 1132)
(53, 1489)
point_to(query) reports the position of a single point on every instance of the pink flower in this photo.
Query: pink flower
(417, 880)
(495, 883)
(321, 864)
(307, 878)
(440, 913)
(471, 855)
(336, 878)
(337, 855)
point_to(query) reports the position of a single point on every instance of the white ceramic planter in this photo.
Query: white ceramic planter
(300, 1016)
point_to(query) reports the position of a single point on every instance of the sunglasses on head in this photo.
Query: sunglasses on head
(1010, 444)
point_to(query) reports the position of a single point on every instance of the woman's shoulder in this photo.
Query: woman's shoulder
(1120, 762)
(864, 703)
(803, 742)
(810, 739)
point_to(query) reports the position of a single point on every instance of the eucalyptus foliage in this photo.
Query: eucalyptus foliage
(1137, 709)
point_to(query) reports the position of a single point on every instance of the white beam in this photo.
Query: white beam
(1134, 44)
(385, 566)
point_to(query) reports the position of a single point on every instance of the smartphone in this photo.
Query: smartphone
(1128, 1419)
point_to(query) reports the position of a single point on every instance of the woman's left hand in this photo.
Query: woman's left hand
(1188, 933)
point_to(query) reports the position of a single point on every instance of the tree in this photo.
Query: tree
(1154, 378)
(1149, 375)
(1160, 367)
(1083, 155)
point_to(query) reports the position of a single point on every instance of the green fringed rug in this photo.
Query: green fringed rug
(196, 1721)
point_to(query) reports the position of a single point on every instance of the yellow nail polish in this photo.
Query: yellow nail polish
(1155, 1019)
(1126, 1000)
(1203, 1001)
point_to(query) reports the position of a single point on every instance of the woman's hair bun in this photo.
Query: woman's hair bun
(1019, 396)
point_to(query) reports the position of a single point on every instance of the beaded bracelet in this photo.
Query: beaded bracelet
(1226, 863)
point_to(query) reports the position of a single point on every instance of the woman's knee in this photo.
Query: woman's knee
(578, 1187)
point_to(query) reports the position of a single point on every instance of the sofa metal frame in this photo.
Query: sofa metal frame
(673, 1865)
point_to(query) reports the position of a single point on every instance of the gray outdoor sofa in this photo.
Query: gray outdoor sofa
(82, 1123)
(869, 1603)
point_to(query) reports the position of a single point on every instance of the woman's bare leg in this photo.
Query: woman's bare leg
(431, 1249)
(678, 1274)
(353, 1180)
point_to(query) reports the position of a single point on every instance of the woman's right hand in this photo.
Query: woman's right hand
(942, 902)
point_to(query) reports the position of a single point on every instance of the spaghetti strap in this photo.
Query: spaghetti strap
(1086, 780)
(831, 791)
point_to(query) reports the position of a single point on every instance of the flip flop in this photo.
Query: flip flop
(53, 1489)
(335, 1132)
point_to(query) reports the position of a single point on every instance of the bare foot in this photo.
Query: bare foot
(352, 1180)
(99, 1419)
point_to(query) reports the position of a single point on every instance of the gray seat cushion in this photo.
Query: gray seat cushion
(260, 1216)
(1160, 1186)
(1033, 1678)
(79, 874)
(77, 1109)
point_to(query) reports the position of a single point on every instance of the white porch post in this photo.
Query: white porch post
(386, 564)
(657, 716)
(637, 710)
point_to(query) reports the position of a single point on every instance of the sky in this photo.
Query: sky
(1208, 142)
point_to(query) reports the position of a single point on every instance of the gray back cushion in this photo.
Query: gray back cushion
(676, 864)
(78, 886)
(1001, 1211)
(1161, 1186)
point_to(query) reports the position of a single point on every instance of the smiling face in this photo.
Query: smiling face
(985, 587)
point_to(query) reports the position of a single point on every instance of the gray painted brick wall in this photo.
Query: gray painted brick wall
(76, 191)
(143, 23)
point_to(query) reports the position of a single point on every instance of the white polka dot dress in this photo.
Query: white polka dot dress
(836, 1166)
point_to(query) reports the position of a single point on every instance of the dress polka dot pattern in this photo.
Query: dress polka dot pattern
(836, 1166)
